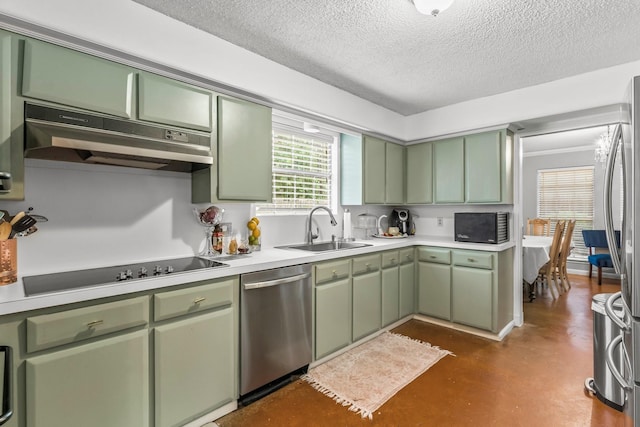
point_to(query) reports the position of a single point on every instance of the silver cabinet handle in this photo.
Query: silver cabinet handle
(616, 253)
(199, 300)
(611, 364)
(471, 260)
(7, 410)
(266, 284)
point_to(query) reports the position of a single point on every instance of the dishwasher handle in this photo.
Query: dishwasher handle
(7, 412)
(276, 282)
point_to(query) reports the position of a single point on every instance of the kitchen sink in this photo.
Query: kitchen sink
(326, 246)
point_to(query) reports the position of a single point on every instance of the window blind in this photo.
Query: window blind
(565, 194)
(302, 171)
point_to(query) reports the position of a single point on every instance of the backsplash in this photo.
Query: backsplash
(106, 215)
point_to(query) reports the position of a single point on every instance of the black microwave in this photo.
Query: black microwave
(481, 227)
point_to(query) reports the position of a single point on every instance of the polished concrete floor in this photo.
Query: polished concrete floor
(534, 377)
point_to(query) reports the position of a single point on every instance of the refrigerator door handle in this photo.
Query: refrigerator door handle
(608, 308)
(7, 411)
(616, 252)
(612, 366)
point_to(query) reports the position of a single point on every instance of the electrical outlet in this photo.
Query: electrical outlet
(439, 221)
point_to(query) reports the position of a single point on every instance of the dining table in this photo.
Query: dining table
(535, 254)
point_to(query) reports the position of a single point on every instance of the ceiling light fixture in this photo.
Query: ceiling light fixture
(431, 7)
(308, 127)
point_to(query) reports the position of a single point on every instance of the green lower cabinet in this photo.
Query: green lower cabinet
(472, 297)
(390, 295)
(434, 290)
(407, 283)
(101, 384)
(366, 304)
(195, 367)
(333, 317)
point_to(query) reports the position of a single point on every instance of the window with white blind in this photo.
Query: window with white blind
(303, 171)
(565, 194)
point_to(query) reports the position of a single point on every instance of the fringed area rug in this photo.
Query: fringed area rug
(365, 377)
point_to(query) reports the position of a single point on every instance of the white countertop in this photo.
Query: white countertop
(13, 300)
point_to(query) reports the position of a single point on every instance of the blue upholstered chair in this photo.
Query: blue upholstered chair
(594, 240)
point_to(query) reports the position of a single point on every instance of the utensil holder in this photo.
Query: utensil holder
(8, 261)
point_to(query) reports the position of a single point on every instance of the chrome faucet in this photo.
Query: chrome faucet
(310, 235)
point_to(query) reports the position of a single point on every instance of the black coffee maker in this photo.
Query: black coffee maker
(401, 218)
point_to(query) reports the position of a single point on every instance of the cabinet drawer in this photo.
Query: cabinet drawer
(194, 299)
(331, 271)
(407, 256)
(390, 259)
(366, 264)
(473, 259)
(441, 256)
(56, 329)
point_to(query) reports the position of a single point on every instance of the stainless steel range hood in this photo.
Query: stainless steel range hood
(67, 135)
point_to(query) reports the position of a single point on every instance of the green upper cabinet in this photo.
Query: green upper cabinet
(448, 170)
(60, 75)
(383, 171)
(165, 101)
(11, 121)
(419, 173)
(244, 155)
(394, 168)
(374, 167)
(487, 167)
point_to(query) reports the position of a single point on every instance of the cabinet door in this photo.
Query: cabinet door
(64, 76)
(419, 173)
(374, 170)
(102, 384)
(394, 167)
(434, 290)
(407, 289)
(390, 295)
(448, 170)
(472, 296)
(244, 150)
(195, 367)
(333, 317)
(482, 167)
(165, 101)
(366, 304)
(11, 122)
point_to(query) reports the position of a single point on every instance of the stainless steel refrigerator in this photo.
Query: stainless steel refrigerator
(623, 351)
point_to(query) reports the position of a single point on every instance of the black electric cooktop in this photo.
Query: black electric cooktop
(56, 282)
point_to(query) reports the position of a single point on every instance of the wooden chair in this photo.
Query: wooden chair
(549, 270)
(565, 248)
(538, 227)
(599, 256)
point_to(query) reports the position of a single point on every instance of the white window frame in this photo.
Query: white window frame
(293, 126)
(580, 252)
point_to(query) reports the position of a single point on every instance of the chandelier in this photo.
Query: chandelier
(603, 143)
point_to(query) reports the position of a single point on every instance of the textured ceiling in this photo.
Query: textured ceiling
(386, 52)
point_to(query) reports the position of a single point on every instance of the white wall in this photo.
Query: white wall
(595, 89)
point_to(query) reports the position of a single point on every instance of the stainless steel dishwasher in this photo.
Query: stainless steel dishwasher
(275, 326)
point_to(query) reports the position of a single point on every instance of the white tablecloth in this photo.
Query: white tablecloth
(535, 254)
